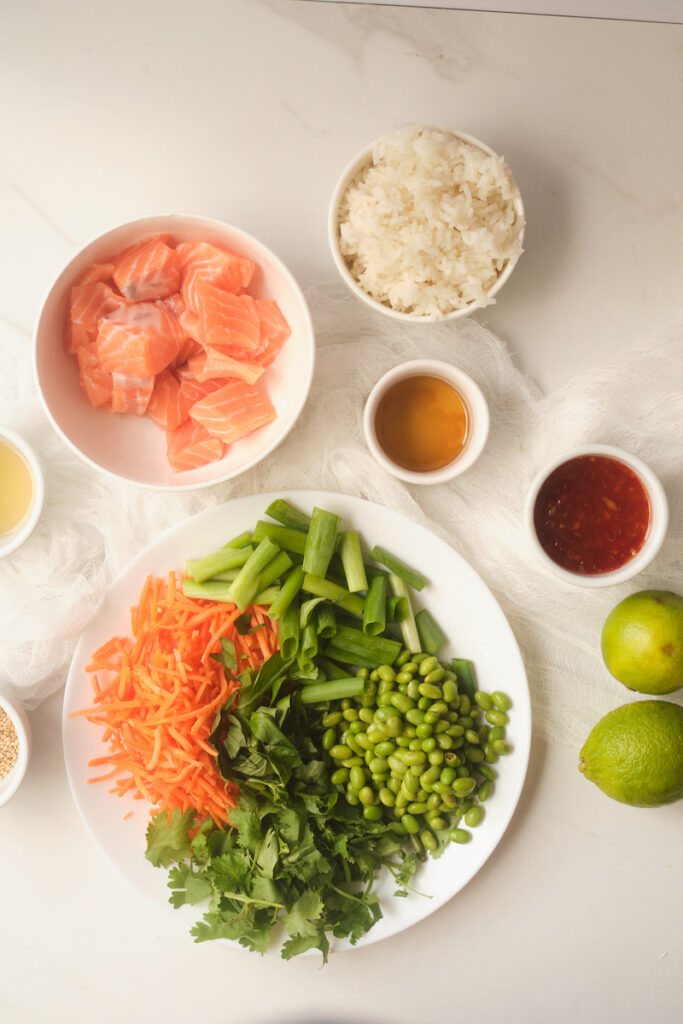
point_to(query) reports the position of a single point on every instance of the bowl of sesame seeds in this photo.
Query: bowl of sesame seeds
(15, 747)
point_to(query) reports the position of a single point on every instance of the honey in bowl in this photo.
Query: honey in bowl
(16, 489)
(422, 423)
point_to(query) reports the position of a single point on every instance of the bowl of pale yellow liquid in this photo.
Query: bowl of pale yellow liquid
(21, 491)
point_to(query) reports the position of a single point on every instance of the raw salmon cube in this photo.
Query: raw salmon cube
(273, 333)
(140, 341)
(131, 394)
(148, 270)
(227, 321)
(167, 407)
(233, 411)
(190, 446)
(201, 261)
(192, 389)
(76, 335)
(211, 364)
(96, 272)
(96, 382)
(92, 301)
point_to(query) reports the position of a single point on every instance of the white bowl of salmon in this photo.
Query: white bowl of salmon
(174, 352)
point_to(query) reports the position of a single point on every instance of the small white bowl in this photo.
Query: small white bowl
(350, 172)
(10, 783)
(11, 541)
(131, 447)
(478, 416)
(659, 518)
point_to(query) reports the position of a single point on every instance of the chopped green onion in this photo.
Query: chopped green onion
(351, 603)
(331, 670)
(379, 649)
(411, 637)
(410, 576)
(290, 588)
(239, 541)
(279, 565)
(290, 540)
(375, 611)
(335, 653)
(432, 637)
(320, 541)
(352, 561)
(332, 689)
(467, 680)
(247, 584)
(327, 622)
(287, 515)
(209, 591)
(266, 596)
(288, 633)
(218, 561)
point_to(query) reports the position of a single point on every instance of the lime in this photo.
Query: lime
(642, 641)
(635, 753)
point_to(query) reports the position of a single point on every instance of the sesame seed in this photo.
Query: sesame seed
(9, 744)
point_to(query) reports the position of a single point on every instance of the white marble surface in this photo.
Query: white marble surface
(247, 111)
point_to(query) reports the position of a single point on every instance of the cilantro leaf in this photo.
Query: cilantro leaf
(167, 839)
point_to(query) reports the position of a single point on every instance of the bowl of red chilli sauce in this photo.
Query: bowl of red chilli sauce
(596, 516)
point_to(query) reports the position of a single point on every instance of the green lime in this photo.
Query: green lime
(642, 641)
(635, 753)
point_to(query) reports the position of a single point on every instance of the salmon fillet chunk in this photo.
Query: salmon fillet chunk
(234, 410)
(148, 270)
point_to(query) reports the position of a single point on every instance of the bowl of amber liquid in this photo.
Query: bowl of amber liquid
(426, 421)
(596, 516)
(21, 491)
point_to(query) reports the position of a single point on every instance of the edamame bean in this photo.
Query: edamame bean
(484, 700)
(372, 812)
(428, 840)
(340, 777)
(401, 702)
(427, 665)
(497, 717)
(417, 807)
(463, 786)
(437, 822)
(339, 752)
(484, 791)
(474, 816)
(430, 690)
(387, 798)
(366, 795)
(386, 673)
(378, 764)
(329, 739)
(459, 835)
(449, 690)
(471, 736)
(356, 777)
(409, 757)
(410, 824)
(332, 718)
(435, 676)
(501, 747)
(501, 700)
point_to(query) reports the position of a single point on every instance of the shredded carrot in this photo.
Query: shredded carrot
(158, 702)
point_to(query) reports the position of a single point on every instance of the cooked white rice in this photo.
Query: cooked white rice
(428, 226)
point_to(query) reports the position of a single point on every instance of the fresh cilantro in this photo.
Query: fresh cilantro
(296, 859)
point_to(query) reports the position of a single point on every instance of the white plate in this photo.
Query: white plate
(456, 596)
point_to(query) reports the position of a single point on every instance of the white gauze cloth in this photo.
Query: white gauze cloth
(93, 525)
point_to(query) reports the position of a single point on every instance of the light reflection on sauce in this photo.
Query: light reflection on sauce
(422, 423)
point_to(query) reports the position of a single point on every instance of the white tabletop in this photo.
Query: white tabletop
(247, 110)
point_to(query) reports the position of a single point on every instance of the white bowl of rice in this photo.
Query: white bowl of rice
(426, 224)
